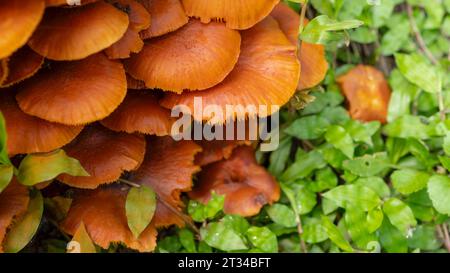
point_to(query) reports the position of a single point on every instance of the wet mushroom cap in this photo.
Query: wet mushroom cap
(140, 112)
(77, 92)
(168, 169)
(314, 65)
(167, 16)
(266, 74)
(76, 33)
(216, 150)
(103, 213)
(28, 134)
(195, 57)
(19, 18)
(246, 185)
(237, 14)
(367, 93)
(23, 64)
(14, 201)
(131, 41)
(105, 155)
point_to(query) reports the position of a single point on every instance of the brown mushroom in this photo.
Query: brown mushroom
(23, 64)
(237, 14)
(77, 92)
(105, 155)
(195, 57)
(367, 93)
(246, 185)
(75, 33)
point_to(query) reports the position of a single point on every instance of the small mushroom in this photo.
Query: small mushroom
(167, 16)
(103, 213)
(28, 134)
(131, 42)
(246, 185)
(105, 155)
(367, 93)
(140, 113)
(237, 14)
(77, 92)
(314, 65)
(266, 74)
(19, 18)
(14, 201)
(195, 57)
(23, 64)
(75, 33)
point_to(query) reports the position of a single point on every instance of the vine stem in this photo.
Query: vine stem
(300, 28)
(446, 237)
(300, 233)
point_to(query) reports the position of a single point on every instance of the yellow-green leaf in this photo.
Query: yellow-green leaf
(6, 174)
(140, 208)
(81, 242)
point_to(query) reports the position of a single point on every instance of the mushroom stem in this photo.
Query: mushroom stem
(129, 183)
(302, 24)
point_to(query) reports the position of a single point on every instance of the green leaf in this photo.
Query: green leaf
(340, 139)
(6, 174)
(367, 165)
(200, 212)
(354, 196)
(4, 159)
(407, 181)
(419, 71)
(37, 168)
(325, 179)
(407, 126)
(335, 235)
(308, 128)
(400, 215)
(392, 240)
(403, 93)
(377, 184)
(24, 229)
(424, 238)
(279, 157)
(362, 132)
(282, 215)
(306, 200)
(439, 191)
(357, 227)
(220, 236)
(314, 231)
(187, 240)
(323, 29)
(263, 238)
(140, 207)
(374, 219)
(304, 166)
(81, 241)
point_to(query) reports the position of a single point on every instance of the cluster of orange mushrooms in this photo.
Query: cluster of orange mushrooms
(98, 80)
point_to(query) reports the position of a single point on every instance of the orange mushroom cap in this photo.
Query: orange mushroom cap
(103, 213)
(314, 65)
(28, 134)
(246, 185)
(195, 57)
(55, 3)
(18, 20)
(367, 93)
(167, 16)
(131, 42)
(77, 92)
(23, 64)
(14, 201)
(4, 70)
(168, 169)
(266, 74)
(75, 33)
(105, 155)
(132, 83)
(237, 14)
(217, 150)
(140, 112)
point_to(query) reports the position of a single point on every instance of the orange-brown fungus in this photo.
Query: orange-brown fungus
(23, 64)
(314, 66)
(132, 83)
(238, 14)
(168, 169)
(103, 213)
(13, 203)
(217, 150)
(105, 155)
(75, 33)
(131, 42)
(55, 3)
(367, 93)
(18, 20)
(246, 185)
(4, 70)
(77, 92)
(195, 57)
(267, 74)
(167, 16)
(140, 112)
(28, 134)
